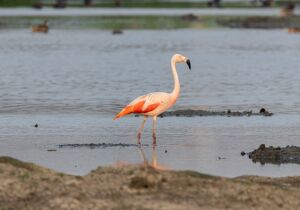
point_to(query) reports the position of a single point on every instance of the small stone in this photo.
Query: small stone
(262, 146)
(36, 125)
(243, 153)
(262, 111)
(166, 151)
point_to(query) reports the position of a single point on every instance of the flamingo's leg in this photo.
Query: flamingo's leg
(154, 130)
(139, 135)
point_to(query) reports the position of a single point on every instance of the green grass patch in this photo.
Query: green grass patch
(146, 22)
(102, 22)
(17, 3)
(150, 22)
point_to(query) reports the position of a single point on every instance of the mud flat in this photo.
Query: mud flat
(28, 186)
(99, 145)
(228, 113)
(275, 155)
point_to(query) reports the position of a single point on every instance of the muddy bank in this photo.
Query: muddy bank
(100, 145)
(27, 186)
(204, 113)
(275, 155)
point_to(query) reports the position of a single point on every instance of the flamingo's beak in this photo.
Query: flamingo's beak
(188, 62)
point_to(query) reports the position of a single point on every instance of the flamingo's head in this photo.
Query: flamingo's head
(177, 58)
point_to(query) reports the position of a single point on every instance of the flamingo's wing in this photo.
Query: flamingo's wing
(142, 104)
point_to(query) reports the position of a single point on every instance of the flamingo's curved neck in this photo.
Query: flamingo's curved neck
(176, 90)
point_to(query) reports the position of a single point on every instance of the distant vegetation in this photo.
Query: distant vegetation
(17, 3)
(145, 3)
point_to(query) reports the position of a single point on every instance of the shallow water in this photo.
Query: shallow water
(72, 82)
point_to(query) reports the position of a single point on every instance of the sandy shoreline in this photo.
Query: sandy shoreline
(28, 186)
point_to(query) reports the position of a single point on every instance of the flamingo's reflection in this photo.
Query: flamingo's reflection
(153, 163)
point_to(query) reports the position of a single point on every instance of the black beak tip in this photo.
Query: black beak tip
(188, 62)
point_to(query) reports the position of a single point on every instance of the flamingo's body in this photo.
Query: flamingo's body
(155, 103)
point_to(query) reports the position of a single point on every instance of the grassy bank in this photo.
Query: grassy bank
(31, 187)
(105, 22)
(259, 22)
(152, 22)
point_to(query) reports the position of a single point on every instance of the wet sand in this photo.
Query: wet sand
(28, 186)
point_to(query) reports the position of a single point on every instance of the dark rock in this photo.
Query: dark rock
(262, 110)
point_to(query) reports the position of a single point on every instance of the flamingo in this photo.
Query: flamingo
(153, 104)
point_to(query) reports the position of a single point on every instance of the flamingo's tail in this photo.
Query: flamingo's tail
(127, 110)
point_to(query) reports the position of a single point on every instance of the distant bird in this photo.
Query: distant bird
(42, 28)
(155, 103)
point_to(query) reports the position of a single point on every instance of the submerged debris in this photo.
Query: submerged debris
(51, 150)
(228, 113)
(117, 31)
(275, 155)
(101, 145)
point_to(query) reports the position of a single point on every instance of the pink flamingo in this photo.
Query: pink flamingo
(153, 104)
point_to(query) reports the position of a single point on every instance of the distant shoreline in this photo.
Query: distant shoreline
(156, 22)
(75, 11)
(135, 4)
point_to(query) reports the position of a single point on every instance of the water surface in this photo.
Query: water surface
(72, 82)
